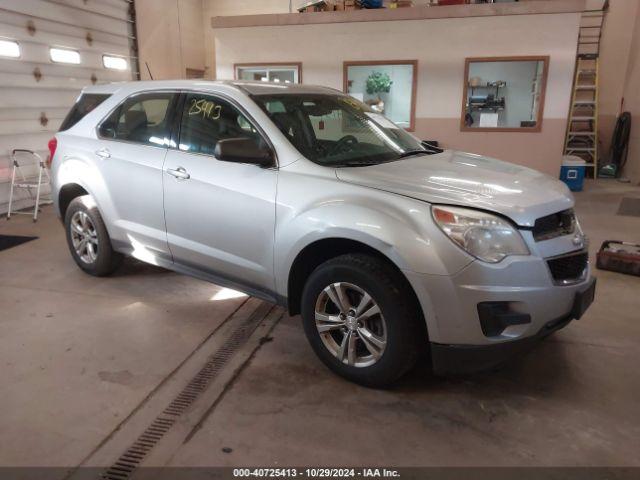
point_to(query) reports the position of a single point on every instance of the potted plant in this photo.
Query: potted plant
(377, 83)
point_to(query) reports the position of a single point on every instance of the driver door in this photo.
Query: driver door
(220, 216)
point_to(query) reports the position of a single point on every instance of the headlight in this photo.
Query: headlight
(485, 236)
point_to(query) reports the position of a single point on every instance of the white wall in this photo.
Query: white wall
(24, 98)
(221, 8)
(440, 46)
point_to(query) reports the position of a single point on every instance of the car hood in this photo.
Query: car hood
(465, 179)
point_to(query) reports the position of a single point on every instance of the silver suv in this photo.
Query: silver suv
(304, 196)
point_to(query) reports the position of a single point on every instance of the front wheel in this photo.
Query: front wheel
(362, 319)
(88, 239)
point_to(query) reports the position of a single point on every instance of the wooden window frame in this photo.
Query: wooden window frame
(298, 65)
(543, 91)
(414, 85)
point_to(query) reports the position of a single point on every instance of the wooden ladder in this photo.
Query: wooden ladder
(582, 128)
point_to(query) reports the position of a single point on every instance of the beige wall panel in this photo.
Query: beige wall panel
(221, 8)
(617, 34)
(170, 37)
(440, 46)
(158, 38)
(632, 104)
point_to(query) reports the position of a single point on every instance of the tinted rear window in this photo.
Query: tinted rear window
(83, 106)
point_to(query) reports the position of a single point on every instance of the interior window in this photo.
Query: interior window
(504, 93)
(142, 119)
(269, 73)
(387, 87)
(207, 120)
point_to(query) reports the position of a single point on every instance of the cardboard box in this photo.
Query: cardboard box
(315, 6)
(452, 2)
(341, 5)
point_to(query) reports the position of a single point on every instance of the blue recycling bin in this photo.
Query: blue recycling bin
(572, 172)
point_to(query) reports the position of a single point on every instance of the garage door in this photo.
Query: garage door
(38, 85)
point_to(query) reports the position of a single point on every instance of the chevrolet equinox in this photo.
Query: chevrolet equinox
(304, 196)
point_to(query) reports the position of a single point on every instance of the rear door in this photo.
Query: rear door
(130, 153)
(220, 215)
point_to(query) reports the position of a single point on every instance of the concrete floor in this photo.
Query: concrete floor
(80, 354)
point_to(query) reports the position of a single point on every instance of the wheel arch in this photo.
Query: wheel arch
(66, 195)
(318, 252)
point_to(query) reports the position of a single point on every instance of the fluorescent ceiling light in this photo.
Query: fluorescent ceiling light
(9, 48)
(63, 55)
(114, 63)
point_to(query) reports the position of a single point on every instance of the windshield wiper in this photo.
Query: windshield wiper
(409, 153)
(353, 163)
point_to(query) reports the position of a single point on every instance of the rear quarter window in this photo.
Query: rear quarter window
(85, 104)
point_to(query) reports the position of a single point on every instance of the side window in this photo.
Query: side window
(143, 119)
(207, 120)
(85, 104)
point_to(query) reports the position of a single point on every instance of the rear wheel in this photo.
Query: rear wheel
(88, 239)
(362, 320)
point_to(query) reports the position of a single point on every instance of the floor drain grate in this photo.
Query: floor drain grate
(131, 459)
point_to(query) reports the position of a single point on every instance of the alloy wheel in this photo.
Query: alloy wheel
(84, 237)
(350, 324)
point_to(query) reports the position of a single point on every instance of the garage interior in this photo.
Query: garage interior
(90, 366)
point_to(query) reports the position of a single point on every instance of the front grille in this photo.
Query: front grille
(554, 225)
(568, 268)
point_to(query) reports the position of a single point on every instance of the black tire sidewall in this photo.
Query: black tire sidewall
(106, 259)
(401, 349)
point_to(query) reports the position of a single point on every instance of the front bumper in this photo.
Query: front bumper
(465, 359)
(535, 307)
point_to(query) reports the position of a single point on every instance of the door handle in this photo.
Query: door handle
(103, 153)
(180, 173)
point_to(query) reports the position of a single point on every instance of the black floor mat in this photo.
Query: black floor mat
(629, 206)
(8, 241)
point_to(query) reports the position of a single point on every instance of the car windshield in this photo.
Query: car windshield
(338, 130)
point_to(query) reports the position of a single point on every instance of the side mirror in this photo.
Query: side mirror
(243, 150)
(107, 131)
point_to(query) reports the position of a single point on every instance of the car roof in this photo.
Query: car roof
(273, 88)
(248, 87)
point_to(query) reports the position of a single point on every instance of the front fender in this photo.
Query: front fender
(400, 228)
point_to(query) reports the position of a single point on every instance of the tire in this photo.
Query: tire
(399, 324)
(97, 256)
